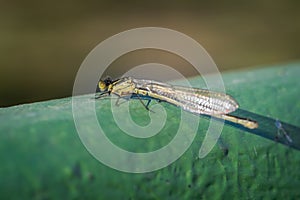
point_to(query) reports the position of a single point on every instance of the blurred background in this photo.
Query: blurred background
(43, 43)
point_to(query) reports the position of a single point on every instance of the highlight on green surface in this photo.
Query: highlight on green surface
(179, 128)
(43, 156)
(99, 59)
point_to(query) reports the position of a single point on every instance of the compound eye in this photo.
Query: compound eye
(102, 86)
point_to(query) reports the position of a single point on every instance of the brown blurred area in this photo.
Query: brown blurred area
(43, 43)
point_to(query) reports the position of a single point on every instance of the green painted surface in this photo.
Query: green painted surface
(42, 156)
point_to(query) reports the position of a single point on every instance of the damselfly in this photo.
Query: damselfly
(194, 100)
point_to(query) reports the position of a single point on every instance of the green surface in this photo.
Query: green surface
(42, 156)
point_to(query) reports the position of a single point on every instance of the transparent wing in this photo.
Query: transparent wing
(195, 100)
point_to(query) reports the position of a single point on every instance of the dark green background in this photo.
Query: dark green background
(42, 43)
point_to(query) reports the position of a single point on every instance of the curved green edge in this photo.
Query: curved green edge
(42, 156)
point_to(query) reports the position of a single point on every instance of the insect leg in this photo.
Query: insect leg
(146, 106)
(118, 99)
(102, 95)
